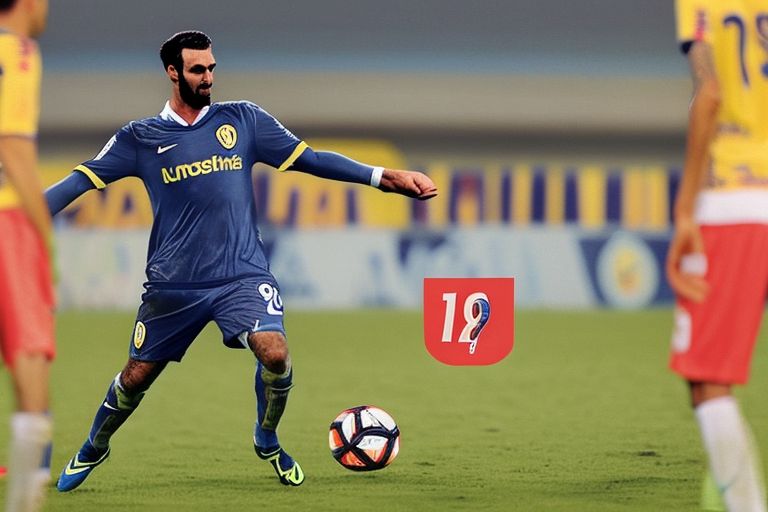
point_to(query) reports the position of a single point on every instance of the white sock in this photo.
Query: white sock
(733, 460)
(30, 437)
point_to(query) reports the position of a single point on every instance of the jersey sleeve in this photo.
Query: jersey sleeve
(19, 86)
(275, 145)
(693, 22)
(117, 159)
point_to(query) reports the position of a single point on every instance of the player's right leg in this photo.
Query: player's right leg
(123, 397)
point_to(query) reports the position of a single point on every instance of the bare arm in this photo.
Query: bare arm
(19, 158)
(702, 123)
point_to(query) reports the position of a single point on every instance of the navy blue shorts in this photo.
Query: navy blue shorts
(169, 319)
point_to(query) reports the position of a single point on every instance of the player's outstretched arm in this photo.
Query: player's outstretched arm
(329, 165)
(333, 166)
(67, 190)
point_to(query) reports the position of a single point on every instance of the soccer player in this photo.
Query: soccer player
(717, 261)
(206, 261)
(26, 290)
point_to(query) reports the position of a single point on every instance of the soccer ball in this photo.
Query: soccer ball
(364, 438)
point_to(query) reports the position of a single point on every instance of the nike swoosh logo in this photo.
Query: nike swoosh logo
(163, 149)
(110, 407)
(71, 470)
(75, 466)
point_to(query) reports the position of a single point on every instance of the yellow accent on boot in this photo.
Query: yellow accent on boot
(293, 476)
(710, 495)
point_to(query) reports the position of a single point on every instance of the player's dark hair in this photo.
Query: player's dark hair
(6, 5)
(170, 51)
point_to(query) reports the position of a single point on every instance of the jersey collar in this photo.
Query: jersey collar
(169, 115)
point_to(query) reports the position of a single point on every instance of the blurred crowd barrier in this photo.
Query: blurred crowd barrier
(515, 194)
(552, 128)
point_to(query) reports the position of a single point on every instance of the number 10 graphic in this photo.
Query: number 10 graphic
(469, 321)
(477, 311)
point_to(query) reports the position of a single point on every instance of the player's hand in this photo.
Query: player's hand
(686, 263)
(409, 183)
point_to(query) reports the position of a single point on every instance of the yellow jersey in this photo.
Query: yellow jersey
(20, 76)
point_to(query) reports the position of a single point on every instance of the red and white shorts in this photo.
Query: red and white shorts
(26, 290)
(713, 341)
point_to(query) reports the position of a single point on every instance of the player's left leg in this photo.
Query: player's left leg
(250, 315)
(273, 382)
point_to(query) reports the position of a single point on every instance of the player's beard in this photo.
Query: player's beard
(192, 98)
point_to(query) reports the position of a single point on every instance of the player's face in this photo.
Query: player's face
(196, 81)
(38, 17)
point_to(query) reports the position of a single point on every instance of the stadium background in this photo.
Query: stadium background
(555, 130)
(556, 141)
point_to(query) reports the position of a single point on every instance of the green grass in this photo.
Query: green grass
(582, 416)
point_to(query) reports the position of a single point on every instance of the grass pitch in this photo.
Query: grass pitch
(582, 416)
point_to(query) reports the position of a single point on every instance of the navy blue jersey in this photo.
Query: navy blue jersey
(199, 182)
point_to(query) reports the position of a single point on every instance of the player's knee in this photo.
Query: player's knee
(137, 376)
(131, 383)
(272, 350)
(704, 391)
(275, 358)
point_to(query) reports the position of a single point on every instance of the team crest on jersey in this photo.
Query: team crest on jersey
(139, 333)
(227, 136)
